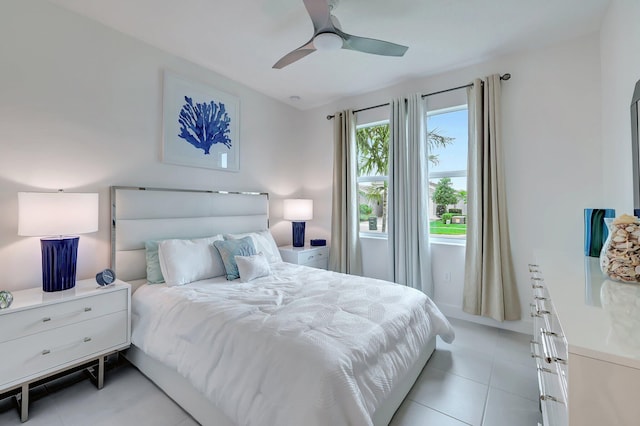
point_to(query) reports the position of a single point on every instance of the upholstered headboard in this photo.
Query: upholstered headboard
(142, 214)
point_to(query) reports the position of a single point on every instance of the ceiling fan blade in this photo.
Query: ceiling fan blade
(319, 13)
(371, 45)
(295, 55)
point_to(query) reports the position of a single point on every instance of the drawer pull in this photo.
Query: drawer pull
(546, 370)
(546, 347)
(46, 352)
(550, 398)
(548, 352)
(87, 339)
(534, 353)
(551, 333)
(86, 309)
(532, 311)
(540, 308)
(311, 257)
(536, 312)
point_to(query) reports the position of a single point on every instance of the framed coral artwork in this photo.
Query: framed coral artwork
(200, 125)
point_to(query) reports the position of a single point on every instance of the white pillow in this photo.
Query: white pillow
(252, 267)
(263, 242)
(185, 261)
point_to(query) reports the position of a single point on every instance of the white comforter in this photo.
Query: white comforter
(300, 347)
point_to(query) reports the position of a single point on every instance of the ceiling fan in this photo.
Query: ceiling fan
(328, 35)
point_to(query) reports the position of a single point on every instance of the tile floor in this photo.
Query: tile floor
(485, 378)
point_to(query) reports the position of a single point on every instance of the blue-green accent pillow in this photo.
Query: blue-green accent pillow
(154, 273)
(230, 248)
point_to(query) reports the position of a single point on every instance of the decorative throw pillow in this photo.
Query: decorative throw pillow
(252, 267)
(185, 261)
(263, 242)
(154, 273)
(228, 249)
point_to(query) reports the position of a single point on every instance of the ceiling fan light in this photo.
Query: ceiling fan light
(327, 41)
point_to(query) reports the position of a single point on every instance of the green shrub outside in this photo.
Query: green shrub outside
(447, 217)
(455, 211)
(365, 211)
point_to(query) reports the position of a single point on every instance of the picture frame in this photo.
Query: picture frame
(200, 125)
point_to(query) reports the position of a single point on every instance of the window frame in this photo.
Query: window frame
(370, 178)
(431, 175)
(448, 174)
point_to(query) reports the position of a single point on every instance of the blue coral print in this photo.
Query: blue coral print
(204, 124)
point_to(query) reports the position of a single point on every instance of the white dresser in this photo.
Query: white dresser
(42, 334)
(314, 256)
(586, 342)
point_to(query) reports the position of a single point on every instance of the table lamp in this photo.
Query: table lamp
(298, 210)
(57, 217)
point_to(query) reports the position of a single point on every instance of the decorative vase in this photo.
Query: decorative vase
(6, 298)
(620, 255)
(595, 230)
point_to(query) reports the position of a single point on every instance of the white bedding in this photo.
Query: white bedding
(300, 347)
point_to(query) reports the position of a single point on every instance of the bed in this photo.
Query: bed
(295, 346)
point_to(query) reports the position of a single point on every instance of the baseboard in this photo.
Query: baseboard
(452, 311)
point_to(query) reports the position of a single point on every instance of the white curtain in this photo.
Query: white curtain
(345, 255)
(489, 286)
(408, 195)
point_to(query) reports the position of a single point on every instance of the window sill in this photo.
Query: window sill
(433, 240)
(373, 236)
(448, 241)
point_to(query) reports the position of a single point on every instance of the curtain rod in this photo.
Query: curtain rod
(504, 77)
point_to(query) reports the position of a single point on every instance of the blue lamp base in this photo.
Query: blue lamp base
(59, 257)
(298, 233)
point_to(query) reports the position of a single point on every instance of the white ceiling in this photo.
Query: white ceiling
(242, 39)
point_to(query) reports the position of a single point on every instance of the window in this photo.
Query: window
(372, 141)
(448, 139)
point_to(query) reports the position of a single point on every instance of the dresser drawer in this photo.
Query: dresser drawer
(31, 321)
(315, 256)
(552, 403)
(311, 256)
(25, 358)
(320, 263)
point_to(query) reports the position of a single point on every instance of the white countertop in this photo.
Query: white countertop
(599, 317)
(24, 299)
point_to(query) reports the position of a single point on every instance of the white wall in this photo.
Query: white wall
(80, 109)
(551, 132)
(620, 47)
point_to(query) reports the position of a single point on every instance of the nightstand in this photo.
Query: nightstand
(43, 334)
(316, 257)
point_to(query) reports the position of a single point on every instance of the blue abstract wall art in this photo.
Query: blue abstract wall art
(204, 124)
(200, 125)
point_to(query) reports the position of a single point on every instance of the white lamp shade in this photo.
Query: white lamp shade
(56, 213)
(298, 209)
